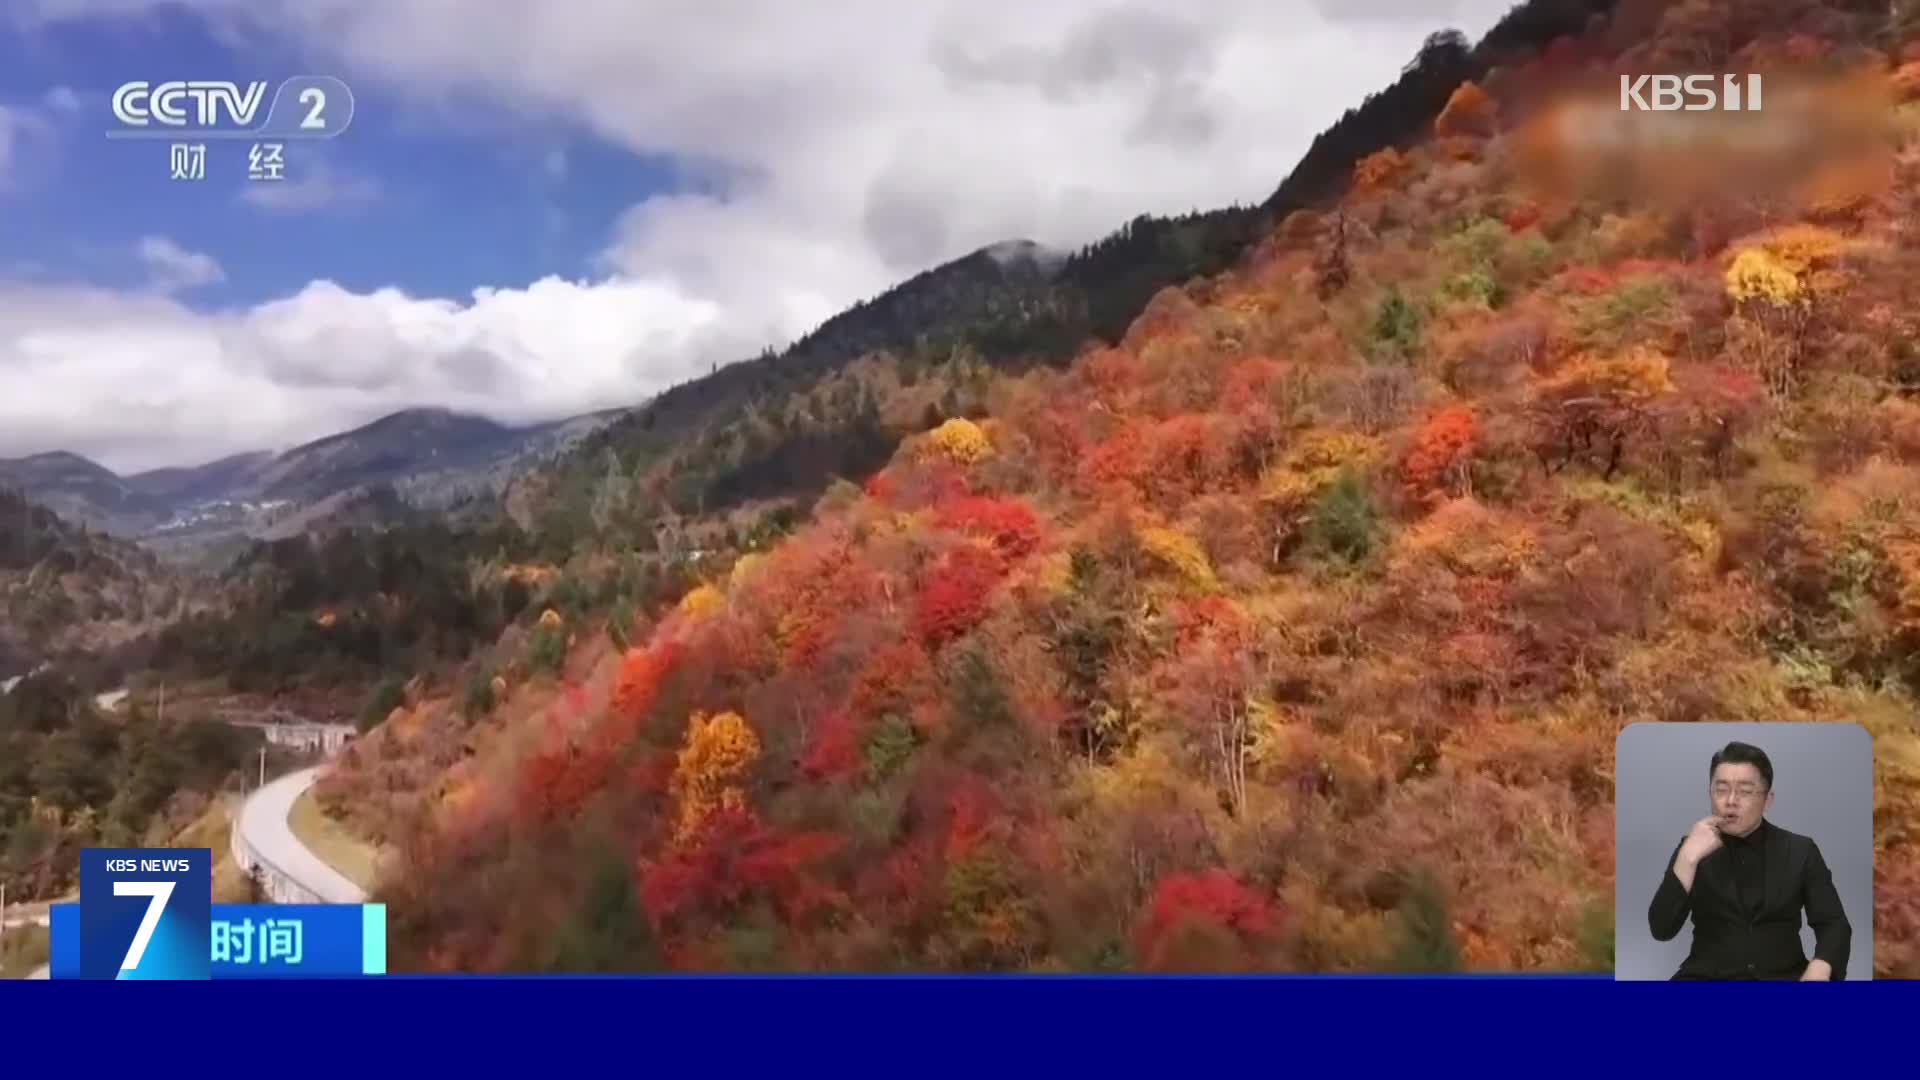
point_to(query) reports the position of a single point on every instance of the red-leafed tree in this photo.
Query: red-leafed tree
(1205, 921)
(733, 859)
(635, 689)
(554, 783)
(1521, 215)
(833, 747)
(1008, 523)
(955, 595)
(971, 811)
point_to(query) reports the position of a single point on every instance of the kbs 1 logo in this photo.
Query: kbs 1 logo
(1690, 93)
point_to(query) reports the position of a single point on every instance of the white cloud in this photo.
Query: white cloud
(136, 381)
(844, 151)
(172, 268)
(311, 185)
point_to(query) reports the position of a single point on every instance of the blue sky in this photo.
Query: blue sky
(544, 208)
(397, 200)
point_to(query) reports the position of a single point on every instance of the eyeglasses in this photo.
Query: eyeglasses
(1745, 791)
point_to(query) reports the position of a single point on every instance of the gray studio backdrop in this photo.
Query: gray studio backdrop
(1823, 788)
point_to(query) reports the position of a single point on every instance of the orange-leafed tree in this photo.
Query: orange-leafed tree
(1436, 465)
(1469, 111)
(894, 678)
(1117, 462)
(1379, 169)
(1187, 455)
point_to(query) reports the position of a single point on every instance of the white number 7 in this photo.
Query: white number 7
(160, 891)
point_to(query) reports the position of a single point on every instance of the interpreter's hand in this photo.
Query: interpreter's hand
(1702, 840)
(1818, 971)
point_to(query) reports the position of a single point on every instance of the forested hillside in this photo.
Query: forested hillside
(1291, 631)
(73, 777)
(65, 590)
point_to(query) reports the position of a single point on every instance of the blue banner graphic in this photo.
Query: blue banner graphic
(258, 941)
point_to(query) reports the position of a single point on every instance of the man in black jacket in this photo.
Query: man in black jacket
(1745, 881)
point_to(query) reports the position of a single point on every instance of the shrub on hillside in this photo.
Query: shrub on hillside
(1345, 521)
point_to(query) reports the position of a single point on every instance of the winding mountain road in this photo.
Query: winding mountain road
(262, 829)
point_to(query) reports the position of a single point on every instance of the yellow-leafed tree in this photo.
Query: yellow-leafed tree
(702, 599)
(1180, 554)
(960, 440)
(1758, 274)
(716, 755)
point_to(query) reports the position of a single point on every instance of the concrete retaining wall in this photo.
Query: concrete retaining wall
(280, 886)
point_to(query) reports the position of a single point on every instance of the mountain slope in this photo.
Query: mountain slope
(407, 441)
(66, 590)
(82, 490)
(783, 426)
(1291, 632)
(187, 486)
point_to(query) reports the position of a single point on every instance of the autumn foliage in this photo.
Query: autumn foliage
(1009, 524)
(959, 440)
(717, 753)
(1468, 112)
(1203, 921)
(955, 594)
(1379, 169)
(1280, 634)
(1436, 465)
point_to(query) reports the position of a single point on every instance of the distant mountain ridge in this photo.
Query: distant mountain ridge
(429, 455)
(199, 482)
